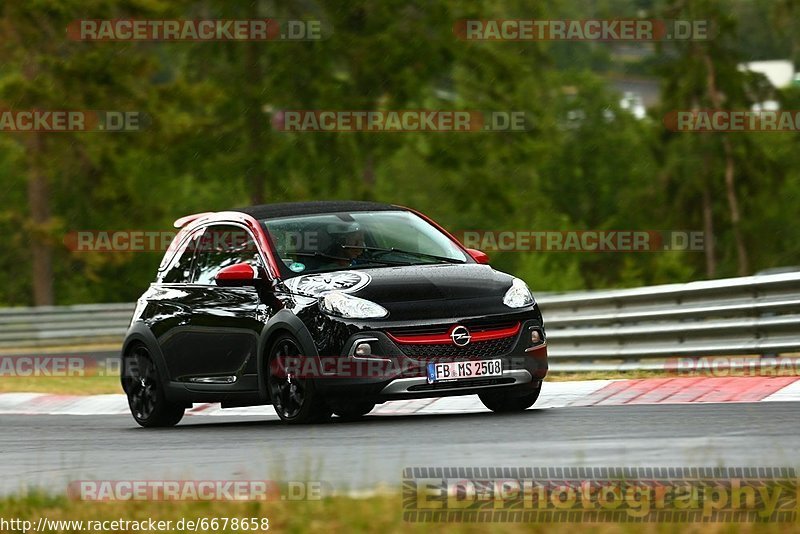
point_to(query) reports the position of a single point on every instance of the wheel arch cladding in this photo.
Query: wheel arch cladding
(283, 322)
(140, 334)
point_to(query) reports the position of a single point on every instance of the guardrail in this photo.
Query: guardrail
(57, 326)
(596, 330)
(630, 328)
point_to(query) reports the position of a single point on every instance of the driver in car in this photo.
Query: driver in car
(348, 239)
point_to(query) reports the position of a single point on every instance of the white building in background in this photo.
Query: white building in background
(779, 72)
(633, 103)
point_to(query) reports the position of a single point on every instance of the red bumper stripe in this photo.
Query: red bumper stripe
(444, 339)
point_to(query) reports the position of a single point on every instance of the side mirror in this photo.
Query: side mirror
(237, 275)
(478, 256)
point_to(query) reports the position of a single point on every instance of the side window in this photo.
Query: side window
(181, 270)
(222, 246)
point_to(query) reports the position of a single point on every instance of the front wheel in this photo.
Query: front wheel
(295, 399)
(507, 402)
(148, 404)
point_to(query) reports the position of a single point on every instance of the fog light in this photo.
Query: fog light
(363, 350)
(536, 337)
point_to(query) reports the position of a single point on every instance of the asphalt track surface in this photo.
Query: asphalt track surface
(50, 451)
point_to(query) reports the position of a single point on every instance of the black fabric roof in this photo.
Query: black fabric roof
(288, 209)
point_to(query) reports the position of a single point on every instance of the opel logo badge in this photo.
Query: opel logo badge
(460, 336)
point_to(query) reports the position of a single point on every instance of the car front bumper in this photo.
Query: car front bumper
(394, 372)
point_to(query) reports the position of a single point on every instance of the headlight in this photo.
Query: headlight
(350, 307)
(518, 296)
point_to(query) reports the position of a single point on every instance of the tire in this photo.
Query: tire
(145, 391)
(352, 411)
(295, 399)
(507, 402)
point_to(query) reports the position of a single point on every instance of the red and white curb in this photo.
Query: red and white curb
(554, 395)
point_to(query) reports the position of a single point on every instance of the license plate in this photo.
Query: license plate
(443, 372)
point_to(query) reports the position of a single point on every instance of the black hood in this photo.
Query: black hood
(437, 291)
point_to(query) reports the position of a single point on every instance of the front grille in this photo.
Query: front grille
(473, 326)
(477, 350)
(475, 382)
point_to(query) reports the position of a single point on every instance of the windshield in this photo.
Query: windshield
(334, 241)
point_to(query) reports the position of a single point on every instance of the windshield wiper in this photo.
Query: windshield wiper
(342, 258)
(402, 251)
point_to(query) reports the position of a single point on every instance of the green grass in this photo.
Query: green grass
(337, 514)
(62, 385)
(99, 385)
(608, 375)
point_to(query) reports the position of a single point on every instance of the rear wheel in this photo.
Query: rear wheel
(351, 411)
(506, 402)
(295, 399)
(142, 384)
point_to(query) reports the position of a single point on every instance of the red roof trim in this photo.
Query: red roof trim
(183, 221)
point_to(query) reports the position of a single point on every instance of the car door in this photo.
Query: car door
(225, 322)
(169, 302)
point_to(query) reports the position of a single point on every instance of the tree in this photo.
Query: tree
(702, 74)
(44, 70)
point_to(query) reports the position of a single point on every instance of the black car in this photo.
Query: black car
(327, 307)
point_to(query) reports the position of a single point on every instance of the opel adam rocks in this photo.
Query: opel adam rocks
(327, 308)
